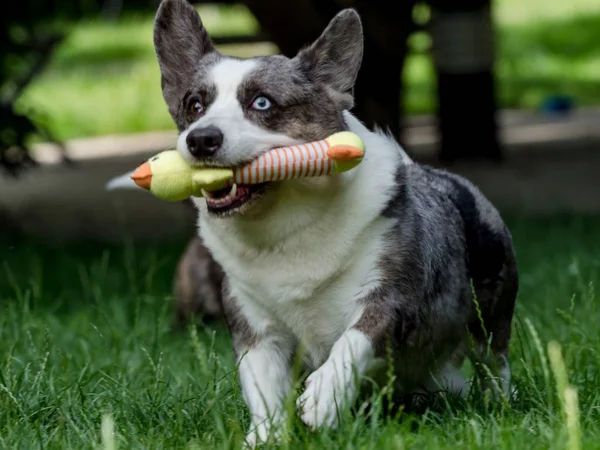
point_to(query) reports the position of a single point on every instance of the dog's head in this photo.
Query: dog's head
(229, 110)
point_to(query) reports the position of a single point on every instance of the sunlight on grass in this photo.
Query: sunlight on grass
(89, 102)
(512, 12)
(104, 79)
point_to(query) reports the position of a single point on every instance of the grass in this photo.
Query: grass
(87, 346)
(104, 79)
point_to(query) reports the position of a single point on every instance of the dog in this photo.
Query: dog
(334, 271)
(197, 286)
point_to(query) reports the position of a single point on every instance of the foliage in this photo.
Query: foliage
(29, 32)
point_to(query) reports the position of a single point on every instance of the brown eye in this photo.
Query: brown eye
(196, 107)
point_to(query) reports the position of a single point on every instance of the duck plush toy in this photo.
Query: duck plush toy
(168, 175)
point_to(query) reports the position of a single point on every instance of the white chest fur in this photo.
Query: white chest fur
(314, 294)
(304, 268)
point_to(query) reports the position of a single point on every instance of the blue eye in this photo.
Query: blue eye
(261, 103)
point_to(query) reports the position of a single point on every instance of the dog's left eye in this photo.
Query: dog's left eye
(261, 103)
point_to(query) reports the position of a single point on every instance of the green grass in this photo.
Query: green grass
(85, 335)
(104, 79)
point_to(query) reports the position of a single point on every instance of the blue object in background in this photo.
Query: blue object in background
(557, 104)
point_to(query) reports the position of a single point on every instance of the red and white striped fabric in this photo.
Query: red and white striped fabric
(286, 163)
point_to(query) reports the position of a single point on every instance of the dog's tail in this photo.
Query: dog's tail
(121, 182)
(378, 134)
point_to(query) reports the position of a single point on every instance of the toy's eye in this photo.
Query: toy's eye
(196, 107)
(261, 103)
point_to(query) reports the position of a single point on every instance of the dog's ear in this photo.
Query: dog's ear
(180, 40)
(336, 56)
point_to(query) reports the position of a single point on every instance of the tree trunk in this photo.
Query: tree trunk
(463, 51)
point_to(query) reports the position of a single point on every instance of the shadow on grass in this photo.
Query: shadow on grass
(64, 279)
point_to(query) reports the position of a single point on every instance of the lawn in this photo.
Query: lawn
(87, 348)
(104, 79)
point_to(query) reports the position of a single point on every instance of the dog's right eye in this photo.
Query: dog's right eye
(196, 107)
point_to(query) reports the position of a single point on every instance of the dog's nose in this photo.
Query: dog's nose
(204, 142)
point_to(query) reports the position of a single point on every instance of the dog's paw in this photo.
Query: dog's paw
(258, 435)
(324, 396)
(263, 432)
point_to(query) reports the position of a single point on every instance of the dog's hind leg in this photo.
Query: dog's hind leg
(450, 377)
(491, 329)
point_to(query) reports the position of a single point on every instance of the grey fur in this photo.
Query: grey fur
(198, 285)
(180, 41)
(243, 337)
(302, 108)
(447, 235)
(334, 59)
(198, 88)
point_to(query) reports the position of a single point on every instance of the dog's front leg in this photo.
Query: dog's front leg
(264, 364)
(334, 385)
(265, 376)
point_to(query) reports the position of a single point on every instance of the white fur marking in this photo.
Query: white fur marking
(266, 381)
(451, 379)
(243, 140)
(334, 385)
(504, 374)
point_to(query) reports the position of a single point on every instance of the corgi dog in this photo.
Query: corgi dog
(335, 271)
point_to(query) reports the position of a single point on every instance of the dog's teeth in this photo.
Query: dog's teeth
(226, 200)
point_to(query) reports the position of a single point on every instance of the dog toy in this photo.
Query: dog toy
(168, 176)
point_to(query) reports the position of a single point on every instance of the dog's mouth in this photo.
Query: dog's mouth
(233, 199)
